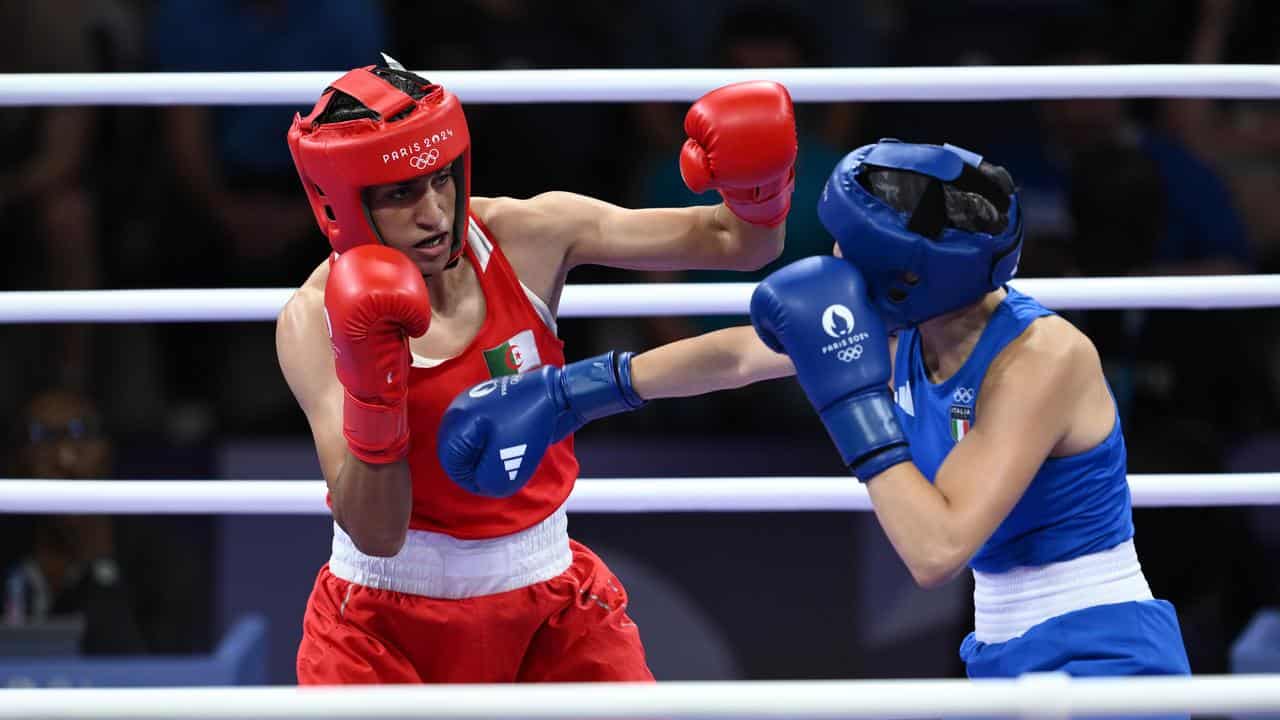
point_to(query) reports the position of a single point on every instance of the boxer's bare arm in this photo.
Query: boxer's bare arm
(549, 234)
(719, 360)
(370, 502)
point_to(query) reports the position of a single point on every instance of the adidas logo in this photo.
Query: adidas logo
(511, 458)
(903, 396)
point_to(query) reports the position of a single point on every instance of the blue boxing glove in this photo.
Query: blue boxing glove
(494, 434)
(817, 311)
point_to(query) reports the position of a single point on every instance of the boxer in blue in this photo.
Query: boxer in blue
(980, 421)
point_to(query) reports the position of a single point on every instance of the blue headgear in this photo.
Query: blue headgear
(915, 266)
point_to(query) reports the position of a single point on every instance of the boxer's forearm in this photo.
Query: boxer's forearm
(719, 360)
(759, 245)
(372, 504)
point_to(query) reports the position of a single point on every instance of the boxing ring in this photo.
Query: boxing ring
(1031, 696)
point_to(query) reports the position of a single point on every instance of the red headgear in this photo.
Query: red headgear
(408, 138)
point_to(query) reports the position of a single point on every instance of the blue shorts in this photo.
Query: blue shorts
(1130, 638)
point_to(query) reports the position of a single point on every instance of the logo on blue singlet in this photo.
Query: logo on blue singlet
(961, 412)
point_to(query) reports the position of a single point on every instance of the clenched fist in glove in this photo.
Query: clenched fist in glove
(817, 311)
(488, 424)
(742, 142)
(375, 300)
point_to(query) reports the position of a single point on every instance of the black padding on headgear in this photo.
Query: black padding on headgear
(930, 215)
(973, 180)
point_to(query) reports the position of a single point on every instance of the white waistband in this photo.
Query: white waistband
(1008, 604)
(440, 566)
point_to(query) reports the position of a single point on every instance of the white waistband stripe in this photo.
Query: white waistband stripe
(440, 566)
(1008, 604)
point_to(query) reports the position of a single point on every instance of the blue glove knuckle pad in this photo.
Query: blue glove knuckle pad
(494, 435)
(489, 440)
(818, 312)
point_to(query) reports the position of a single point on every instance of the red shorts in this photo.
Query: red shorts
(571, 628)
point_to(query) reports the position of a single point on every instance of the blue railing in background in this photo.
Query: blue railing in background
(239, 659)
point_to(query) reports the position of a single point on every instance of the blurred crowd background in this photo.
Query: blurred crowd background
(207, 197)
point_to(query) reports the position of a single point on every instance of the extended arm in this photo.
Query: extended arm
(535, 410)
(719, 360)
(742, 143)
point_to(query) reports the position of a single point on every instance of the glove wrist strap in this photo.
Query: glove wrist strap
(377, 434)
(766, 205)
(600, 386)
(865, 430)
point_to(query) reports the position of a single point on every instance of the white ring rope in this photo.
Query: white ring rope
(1047, 695)
(619, 495)
(527, 86)
(632, 299)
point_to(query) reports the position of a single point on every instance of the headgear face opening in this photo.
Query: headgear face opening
(406, 139)
(915, 266)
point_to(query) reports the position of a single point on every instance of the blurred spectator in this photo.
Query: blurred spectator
(1120, 198)
(136, 582)
(1106, 194)
(235, 215)
(754, 36)
(71, 568)
(232, 162)
(1182, 406)
(526, 148)
(1117, 202)
(522, 149)
(967, 33)
(1201, 231)
(1240, 138)
(47, 193)
(979, 32)
(749, 35)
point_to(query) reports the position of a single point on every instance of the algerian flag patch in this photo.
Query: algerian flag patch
(518, 354)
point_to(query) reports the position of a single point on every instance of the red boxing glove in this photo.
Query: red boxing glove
(374, 301)
(742, 142)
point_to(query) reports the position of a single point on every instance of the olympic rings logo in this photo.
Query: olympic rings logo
(425, 160)
(850, 354)
(963, 395)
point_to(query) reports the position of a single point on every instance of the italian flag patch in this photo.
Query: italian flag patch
(518, 354)
(961, 419)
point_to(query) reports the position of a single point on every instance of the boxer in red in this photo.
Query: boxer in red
(430, 291)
